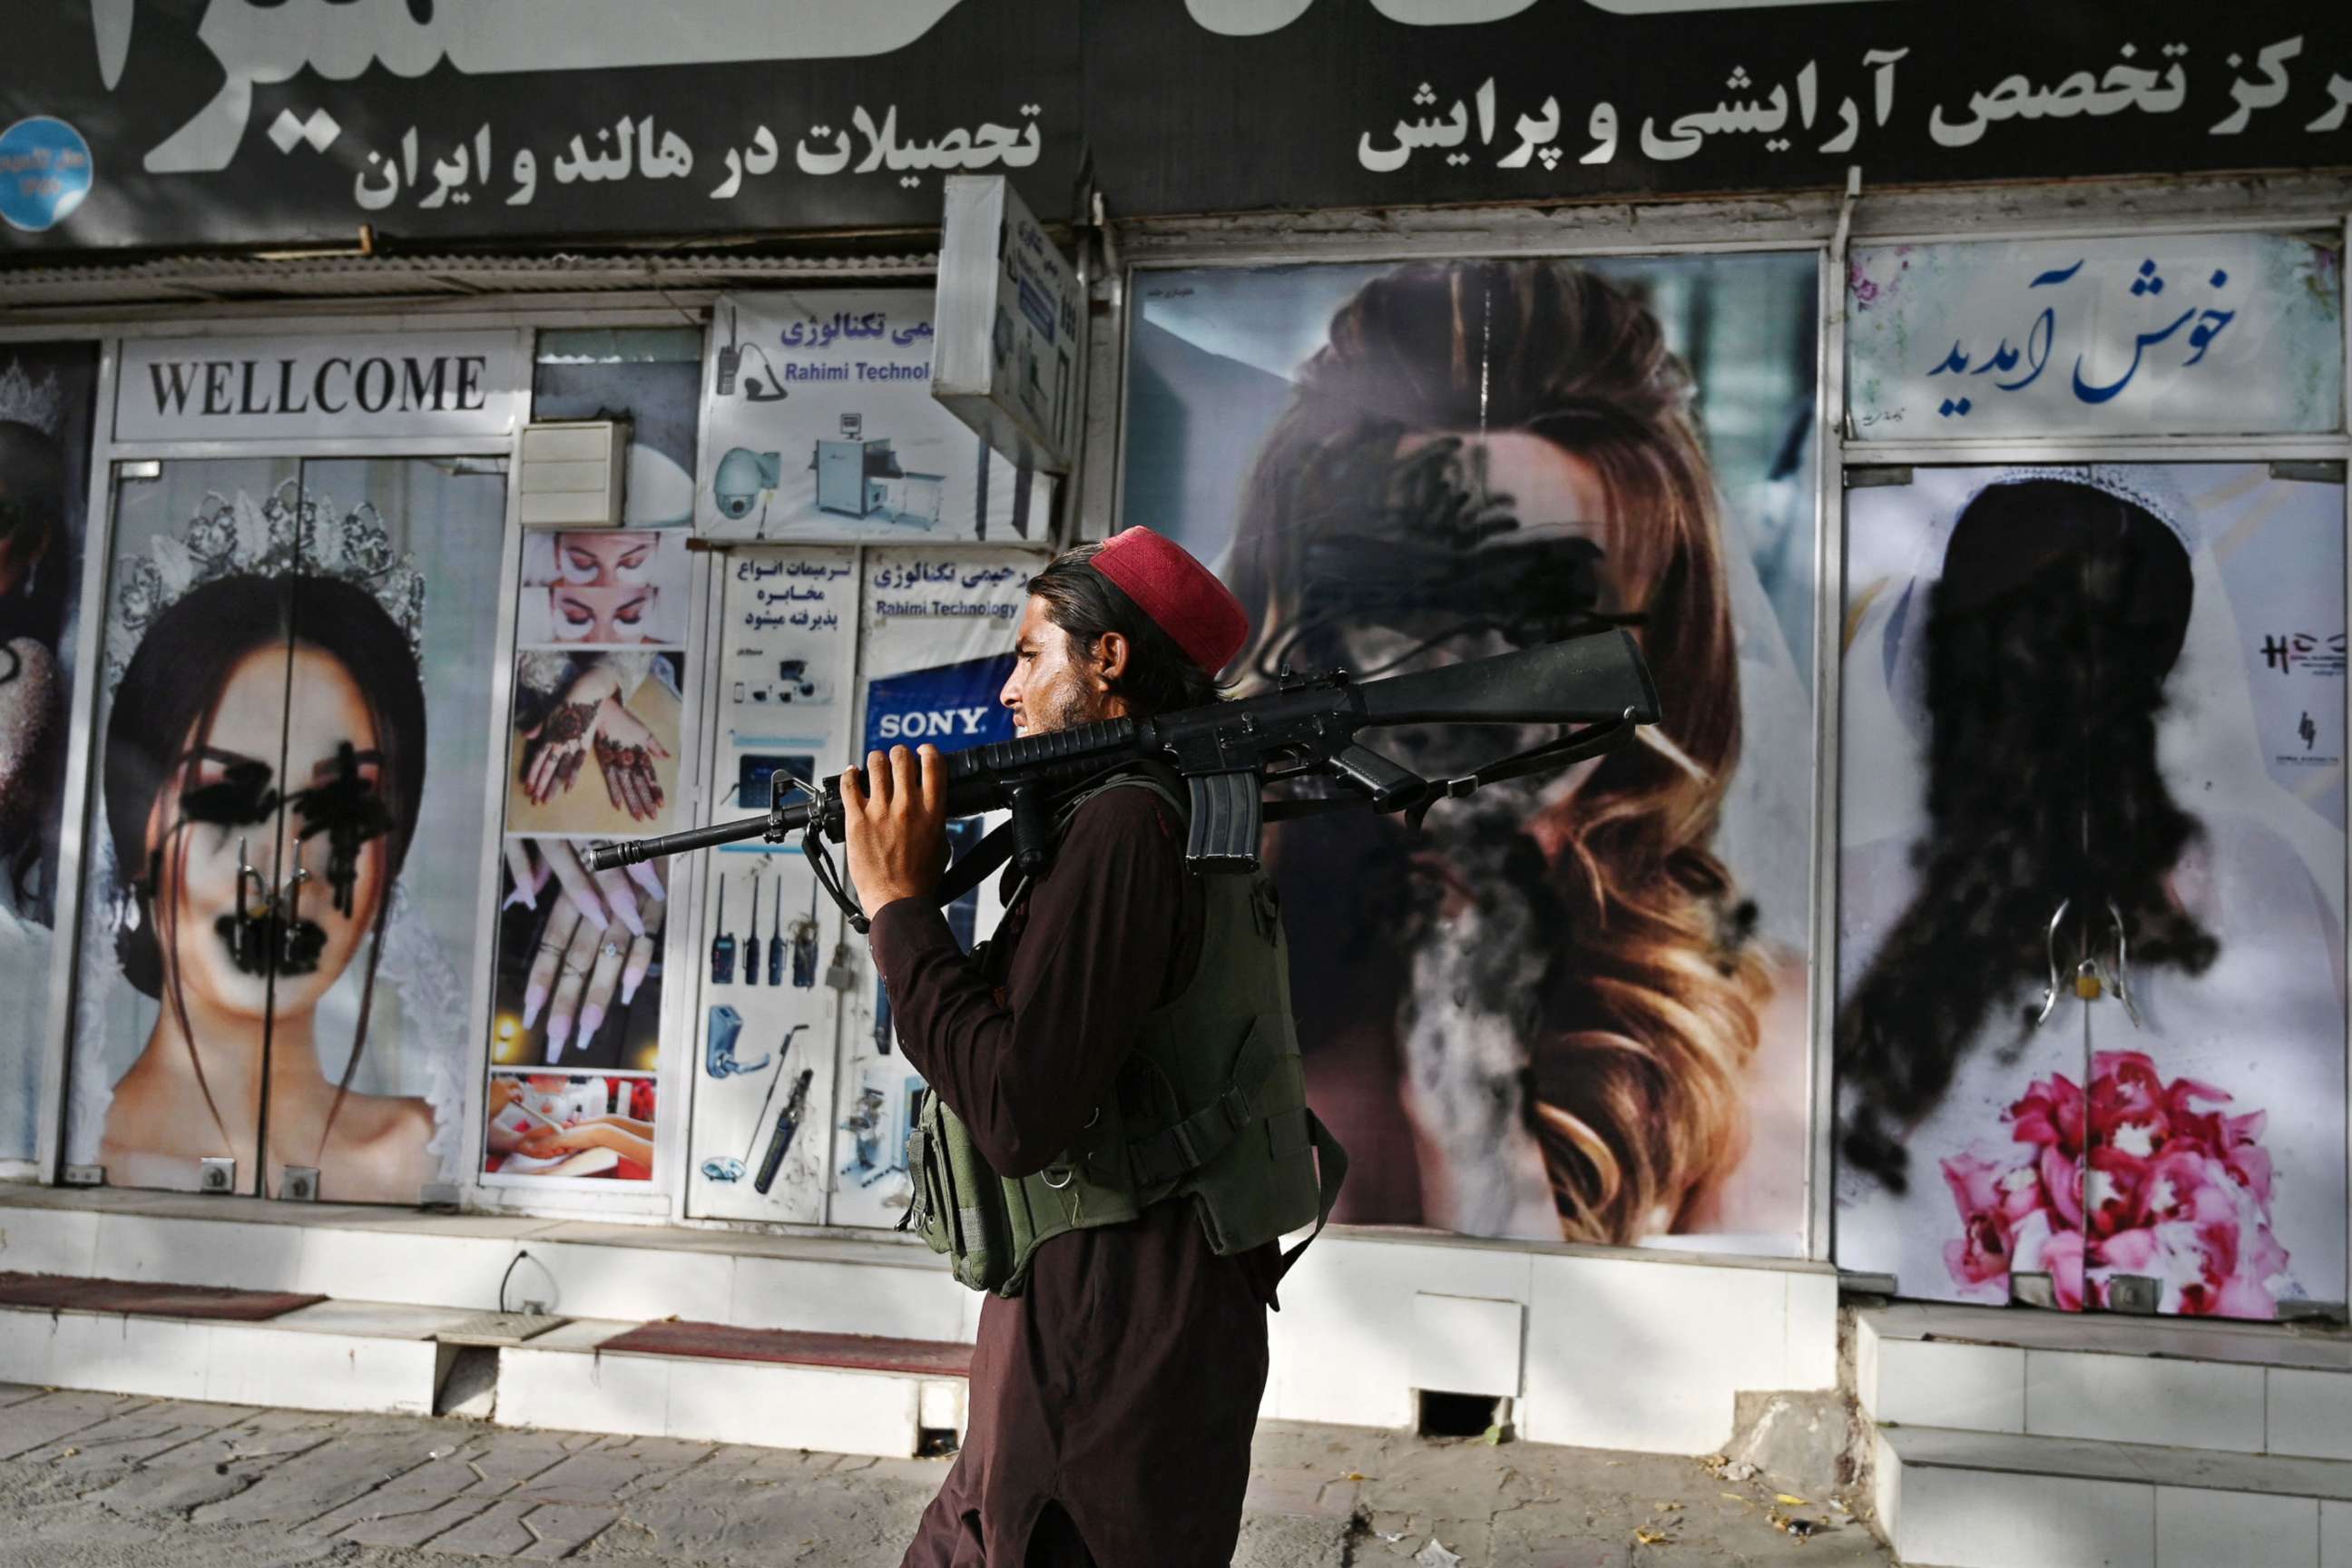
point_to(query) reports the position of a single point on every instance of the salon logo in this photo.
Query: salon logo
(2306, 653)
(44, 173)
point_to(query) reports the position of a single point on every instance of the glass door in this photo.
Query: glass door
(273, 985)
(2090, 1039)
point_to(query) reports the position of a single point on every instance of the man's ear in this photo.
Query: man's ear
(1112, 651)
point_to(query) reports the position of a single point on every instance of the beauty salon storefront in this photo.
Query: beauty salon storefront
(1971, 932)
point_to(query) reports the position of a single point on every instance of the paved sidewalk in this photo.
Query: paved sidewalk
(91, 1481)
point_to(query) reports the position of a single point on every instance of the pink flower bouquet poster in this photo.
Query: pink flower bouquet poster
(2091, 987)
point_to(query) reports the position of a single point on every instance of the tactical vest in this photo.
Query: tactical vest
(1210, 1106)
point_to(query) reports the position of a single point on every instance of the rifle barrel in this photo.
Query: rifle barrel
(628, 852)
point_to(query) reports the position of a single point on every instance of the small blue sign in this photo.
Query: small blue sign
(45, 172)
(950, 706)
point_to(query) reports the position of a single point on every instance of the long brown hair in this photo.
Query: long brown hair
(1649, 1010)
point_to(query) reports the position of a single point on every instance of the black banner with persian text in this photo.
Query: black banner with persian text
(171, 122)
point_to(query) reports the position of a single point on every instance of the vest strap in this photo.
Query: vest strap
(1259, 1088)
(1330, 1170)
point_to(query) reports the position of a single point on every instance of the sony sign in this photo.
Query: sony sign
(402, 383)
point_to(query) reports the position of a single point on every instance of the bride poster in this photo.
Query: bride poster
(277, 949)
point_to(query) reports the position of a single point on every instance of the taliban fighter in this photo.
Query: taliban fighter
(1122, 1057)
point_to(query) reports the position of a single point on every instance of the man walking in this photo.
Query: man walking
(1122, 1056)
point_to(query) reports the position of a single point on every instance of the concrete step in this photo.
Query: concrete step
(334, 1355)
(570, 1378)
(1950, 1499)
(2242, 1388)
(830, 1392)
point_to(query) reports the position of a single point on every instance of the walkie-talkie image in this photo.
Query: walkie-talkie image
(722, 945)
(752, 940)
(780, 1143)
(804, 946)
(775, 937)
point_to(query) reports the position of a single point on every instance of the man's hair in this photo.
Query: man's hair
(1160, 678)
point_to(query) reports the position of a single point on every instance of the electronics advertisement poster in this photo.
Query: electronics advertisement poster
(938, 630)
(822, 427)
(2090, 1025)
(772, 944)
(46, 394)
(1575, 1009)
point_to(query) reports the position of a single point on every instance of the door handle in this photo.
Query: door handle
(2050, 994)
(2123, 966)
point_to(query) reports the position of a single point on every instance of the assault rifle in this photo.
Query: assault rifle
(1595, 687)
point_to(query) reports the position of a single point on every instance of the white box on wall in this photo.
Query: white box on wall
(1011, 326)
(1463, 1344)
(572, 473)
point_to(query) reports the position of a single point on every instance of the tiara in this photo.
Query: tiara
(25, 401)
(2143, 485)
(274, 537)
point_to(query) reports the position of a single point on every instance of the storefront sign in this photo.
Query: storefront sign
(2237, 335)
(1011, 326)
(241, 122)
(407, 384)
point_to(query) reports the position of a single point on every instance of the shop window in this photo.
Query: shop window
(1573, 1009)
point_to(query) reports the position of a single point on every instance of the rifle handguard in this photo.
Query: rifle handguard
(1229, 751)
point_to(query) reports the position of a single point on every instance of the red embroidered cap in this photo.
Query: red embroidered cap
(1182, 598)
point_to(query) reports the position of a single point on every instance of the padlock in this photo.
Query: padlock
(2086, 981)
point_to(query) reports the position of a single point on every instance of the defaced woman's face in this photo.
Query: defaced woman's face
(1557, 497)
(198, 883)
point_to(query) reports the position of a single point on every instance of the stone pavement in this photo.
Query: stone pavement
(91, 1481)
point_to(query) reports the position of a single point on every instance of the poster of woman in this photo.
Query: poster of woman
(1574, 1006)
(2090, 1033)
(46, 391)
(271, 969)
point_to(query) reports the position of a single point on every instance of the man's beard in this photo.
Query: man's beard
(1064, 705)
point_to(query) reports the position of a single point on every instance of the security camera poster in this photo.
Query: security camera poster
(2090, 1023)
(1575, 1006)
(822, 427)
(45, 392)
(287, 844)
(770, 941)
(938, 627)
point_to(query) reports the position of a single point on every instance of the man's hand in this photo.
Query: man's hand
(894, 816)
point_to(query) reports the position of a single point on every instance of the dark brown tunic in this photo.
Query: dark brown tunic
(1124, 1383)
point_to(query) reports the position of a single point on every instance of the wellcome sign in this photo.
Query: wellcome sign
(210, 389)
